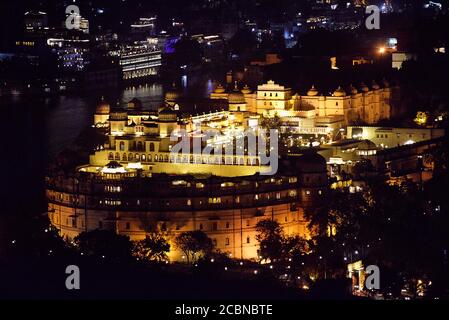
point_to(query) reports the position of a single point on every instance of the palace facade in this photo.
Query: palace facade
(363, 104)
(133, 183)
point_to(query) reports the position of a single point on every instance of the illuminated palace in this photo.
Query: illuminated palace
(134, 185)
(344, 106)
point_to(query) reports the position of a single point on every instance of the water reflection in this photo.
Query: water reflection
(151, 95)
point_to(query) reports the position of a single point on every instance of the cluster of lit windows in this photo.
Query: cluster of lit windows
(214, 200)
(112, 202)
(366, 152)
(113, 188)
(308, 192)
(181, 159)
(142, 71)
(25, 43)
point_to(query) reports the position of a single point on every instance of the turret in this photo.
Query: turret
(101, 115)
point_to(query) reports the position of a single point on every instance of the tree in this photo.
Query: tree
(153, 248)
(269, 123)
(194, 244)
(271, 239)
(22, 234)
(294, 246)
(104, 244)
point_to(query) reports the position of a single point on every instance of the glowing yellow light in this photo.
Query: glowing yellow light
(382, 50)
(421, 118)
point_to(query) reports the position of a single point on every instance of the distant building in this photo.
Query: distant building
(269, 59)
(36, 22)
(139, 61)
(143, 28)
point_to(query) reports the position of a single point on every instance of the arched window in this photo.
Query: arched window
(122, 146)
(130, 157)
(139, 146)
(124, 157)
(166, 158)
(150, 158)
(137, 157)
(111, 156)
(161, 158)
(242, 162)
(117, 156)
(155, 158)
(144, 157)
(151, 147)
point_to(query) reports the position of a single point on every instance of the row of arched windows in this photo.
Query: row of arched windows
(139, 146)
(182, 159)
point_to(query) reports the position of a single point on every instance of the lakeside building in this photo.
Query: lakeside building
(139, 60)
(134, 185)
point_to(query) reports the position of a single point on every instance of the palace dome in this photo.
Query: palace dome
(246, 89)
(219, 89)
(173, 94)
(167, 114)
(236, 97)
(339, 92)
(312, 91)
(103, 107)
